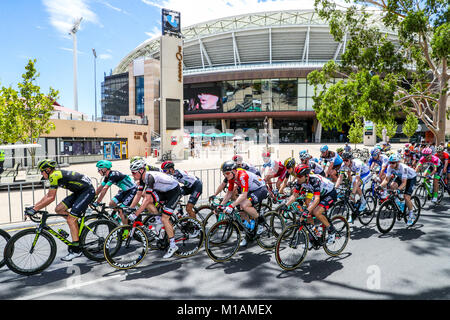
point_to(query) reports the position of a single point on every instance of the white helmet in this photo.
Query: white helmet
(137, 165)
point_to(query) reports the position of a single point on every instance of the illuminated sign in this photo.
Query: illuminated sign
(171, 23)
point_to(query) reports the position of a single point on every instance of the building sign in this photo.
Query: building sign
(179, 56)
(171, 23)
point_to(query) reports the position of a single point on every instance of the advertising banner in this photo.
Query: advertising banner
(202, 100)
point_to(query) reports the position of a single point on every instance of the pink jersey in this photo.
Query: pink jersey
(434, 160)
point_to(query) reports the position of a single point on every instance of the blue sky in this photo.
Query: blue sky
(38, 29)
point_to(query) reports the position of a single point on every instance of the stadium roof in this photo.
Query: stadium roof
(271, 39)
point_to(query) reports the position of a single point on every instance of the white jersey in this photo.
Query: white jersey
(357, 167)
(185, 178)
(157, 181)
(403, 172)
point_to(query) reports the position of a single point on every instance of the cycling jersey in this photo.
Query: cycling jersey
(121, 180)
(278, 168)
(152, 168)
(157, 181)
(73, 181)
(443, 156)
(434, 161)
(246, 181)
(329, 157)
(315, 168)
(357, 167)
(382, 161)
(248, 167)
(316, 184)
(403, 172)
(184, 178)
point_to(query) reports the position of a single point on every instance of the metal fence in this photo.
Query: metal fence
(14, 197)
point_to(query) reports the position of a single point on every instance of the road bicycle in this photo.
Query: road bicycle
(348, 208)
(294, 242)
(166, 156)
(4, 238)
(424, 190)
(31, 251)
(224, 237)
(395, 208)
(127, 245)
(102, 211)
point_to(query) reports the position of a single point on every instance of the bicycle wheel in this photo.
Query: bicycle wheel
(4, 237)
(422, 194)
(125, 247)
(29, 252)
(291, 247)
(368, 214)
(441, 191)
(416, 211)
(386, 216)
(93, 237)
(222, 240)
(342, 236)
(211, 219)
(202, 212)
(273, 226)
(339, 209)
(189, 235)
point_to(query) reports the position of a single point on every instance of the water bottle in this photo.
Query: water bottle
(63, 233)
(252, 224)
(162, 232)
(401, 204)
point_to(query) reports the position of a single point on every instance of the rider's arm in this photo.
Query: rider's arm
(385, 181)
(313, 204)
(136, 199)
(148, 199)
(46, 200)
(403, 185)
(220, 188)
(339, 180)
(103, 191)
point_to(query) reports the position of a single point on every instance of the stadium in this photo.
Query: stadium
(241, 72)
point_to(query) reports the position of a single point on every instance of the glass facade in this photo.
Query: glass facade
(139, 105)
(115, 95)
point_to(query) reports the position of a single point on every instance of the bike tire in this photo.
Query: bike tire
(211, 219)
(189, 235)
(4, 238)
(291, 247)
(123, 251)
(223, 240)
(202, 212)
(386, 213)
(422, 194)
(342, 227)
(368, 214)
(18, 257)
(339, 209)
(441, 191)
(416, 209)
(92, 238)
(273, 226)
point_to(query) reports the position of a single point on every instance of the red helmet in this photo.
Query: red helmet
(266, 154)
(237, 158)
(302, 170)
(167, 165)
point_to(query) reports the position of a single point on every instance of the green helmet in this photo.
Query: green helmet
(46, 163)
(104, 164)
(135, 159)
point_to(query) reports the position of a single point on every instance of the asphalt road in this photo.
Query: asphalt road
(403, 264)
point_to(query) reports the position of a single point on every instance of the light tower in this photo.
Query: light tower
(73, 32)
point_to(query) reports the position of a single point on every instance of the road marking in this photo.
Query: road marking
(124, 274)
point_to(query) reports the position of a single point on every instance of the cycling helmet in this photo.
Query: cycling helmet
(104, 164)
(302, 170)
(266, 154)
(407, 145)
(46, 163)
(439, 148)
(339, 149)
(137, 165)
(237, 158)
(324, 148)
(375, 152)
(347, 155)
(304, 156)
(337, 161)
(315, 160)
(394, 157)
(135, 158)
(426, 151)
(289, 163)
(228, 166)
(166, 165)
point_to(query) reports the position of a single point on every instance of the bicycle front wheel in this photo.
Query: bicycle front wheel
(93, 237)
(29, 252)
(368, 214)
(189, 235)
(386, 217)
(415, 211)
(202, 212)
(422, 194)
(273, 226)
(4, 237)
(291, 247)
(222, 240)
(125, 247)
(342, 228)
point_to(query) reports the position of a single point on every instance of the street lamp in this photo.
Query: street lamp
(95, 81)
(73, 32)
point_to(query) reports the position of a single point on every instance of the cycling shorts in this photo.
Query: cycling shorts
(258, 195)
(125, 198)
(169, 198)
(194, 191)
(410, 184)
(78, 202)
(328, 200)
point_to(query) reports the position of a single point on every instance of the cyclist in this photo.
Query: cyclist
(435, 162)
(248, 167)
(148, 167)
(251, 188)
(377, 158)
(361, 176)
(324, 193)
(126, 185)
(191, 185)
(155, 187)
(276, 170)
(289, 164)
(82, 195)
(405, 179)
(315, 167)
(340, 151)
(444, 169)
(331, 161)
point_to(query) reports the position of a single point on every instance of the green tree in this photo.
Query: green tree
(410, 125)
(383, 78)
(356, 132)
(391, 128)
(10, 124)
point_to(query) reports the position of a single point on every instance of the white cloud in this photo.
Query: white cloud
(105, 56)
(71, 50)
(156, 31)
(63, 13)
(196, 11)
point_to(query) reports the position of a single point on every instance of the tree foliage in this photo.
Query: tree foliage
(381, 77)
(356, 132)
(410, 125)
